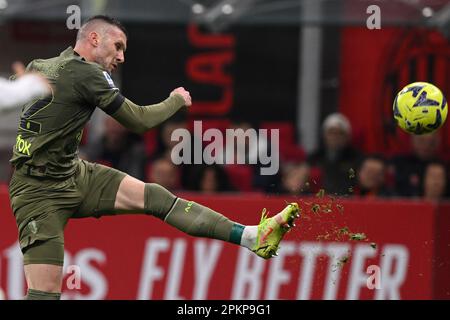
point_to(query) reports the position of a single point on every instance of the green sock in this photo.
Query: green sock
(42, 295)
(199, 221)
(190, 217)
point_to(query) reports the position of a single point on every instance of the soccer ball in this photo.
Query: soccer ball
(420, 108)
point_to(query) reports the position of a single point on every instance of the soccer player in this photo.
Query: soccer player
(51, 184)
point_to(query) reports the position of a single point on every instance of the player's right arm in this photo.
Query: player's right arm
(96, 88)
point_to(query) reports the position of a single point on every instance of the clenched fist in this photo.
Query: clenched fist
(185, 94)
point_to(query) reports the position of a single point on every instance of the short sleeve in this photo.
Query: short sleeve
(97, 89)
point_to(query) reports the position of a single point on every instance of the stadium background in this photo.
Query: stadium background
(273, 64)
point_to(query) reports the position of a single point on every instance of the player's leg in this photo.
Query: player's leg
(198, 220)
(44, 281)
(43, 266)
(110, 192)
(41, 209)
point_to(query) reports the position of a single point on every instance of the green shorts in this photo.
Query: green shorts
(42, 207)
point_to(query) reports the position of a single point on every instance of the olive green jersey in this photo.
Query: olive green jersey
(50, 128)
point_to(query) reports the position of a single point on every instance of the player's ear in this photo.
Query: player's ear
(94, 38)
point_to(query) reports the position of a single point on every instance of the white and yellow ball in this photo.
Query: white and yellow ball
(420, 108)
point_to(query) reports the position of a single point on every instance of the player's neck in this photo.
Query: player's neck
(83, 52)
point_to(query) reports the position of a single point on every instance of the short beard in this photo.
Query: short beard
(99, 58)
(102, 62)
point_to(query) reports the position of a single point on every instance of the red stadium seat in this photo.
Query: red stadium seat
(240, 175)
(289, 150)
(221, 124)
(150, 141)
(287, 130)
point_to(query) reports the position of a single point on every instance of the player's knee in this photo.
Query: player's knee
(45, 278)
(158, 200)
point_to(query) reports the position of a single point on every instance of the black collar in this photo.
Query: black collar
(78, 55)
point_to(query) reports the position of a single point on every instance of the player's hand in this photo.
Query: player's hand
(185, 94)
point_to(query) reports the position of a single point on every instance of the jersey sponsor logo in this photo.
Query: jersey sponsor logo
(23, 146)
(109, 79)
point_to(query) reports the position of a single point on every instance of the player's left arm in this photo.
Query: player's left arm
(140, 119)
(97, 88)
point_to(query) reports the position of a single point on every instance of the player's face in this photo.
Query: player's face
(111, 50)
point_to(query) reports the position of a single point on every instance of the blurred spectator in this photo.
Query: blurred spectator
(120, 149)
(165, 145)
(294, 179)
(209, 179)
(250, 152)
(409, 169)
(245, 145)
(435, 181)
(336, 156)
(164, 141)
(371, 177)
(165, 173)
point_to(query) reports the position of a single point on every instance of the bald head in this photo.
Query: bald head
(103, 40)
